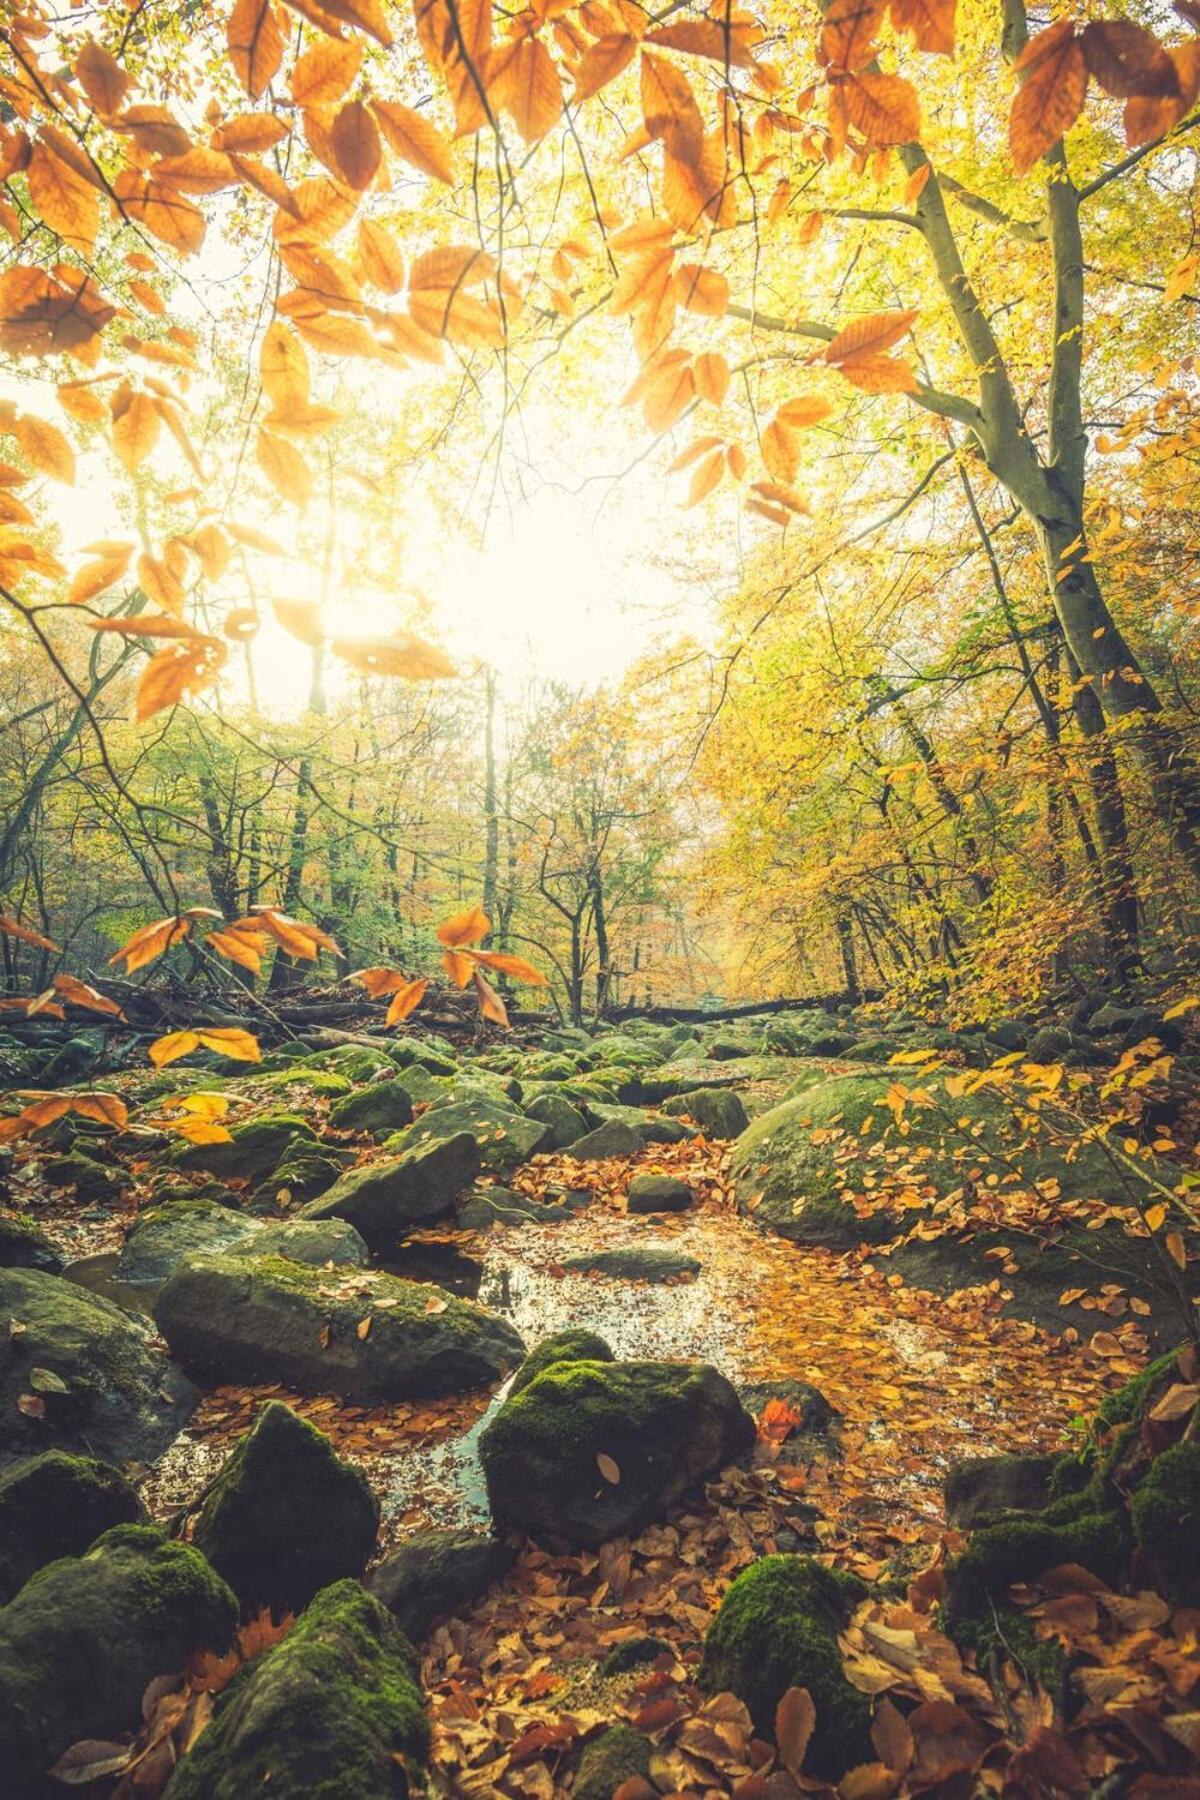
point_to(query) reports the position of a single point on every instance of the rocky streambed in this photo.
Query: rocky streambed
(549, 1347)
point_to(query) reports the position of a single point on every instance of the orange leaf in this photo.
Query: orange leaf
(869, 335)
(608, 1468)
(464, 928)
(1050, 101)
(255, 40)
(490, 1004)
(795, 1717)
(406, 1000)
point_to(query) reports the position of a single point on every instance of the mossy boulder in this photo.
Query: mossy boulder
(565, 1122)
(162, 1236)
(317, 1242)
(777, 1628)
(1021, 1547)
(331, 1712)
(572, 1345)
(1166, 1520)
(357, 1062)
(504, 1137)
(93, 1182)
(86, 1634)
(717, 1111)
(618, 1755)
(658, 1194)
(57, 1505)
(24, 1246)
(980, 1489)
(386, 1200)
(664, 1426)
(299, 1082)
(120, 1399)
(434, 1574)
(484, 1207)
(437, 1059)
(256, 1320)
(286, 1516)
(613, 1138)
(305, 1173)
(635, 1262)
(381, 1107)
(254, 1150)
(839, 1139)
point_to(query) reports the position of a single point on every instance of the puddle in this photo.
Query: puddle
(96, 1274)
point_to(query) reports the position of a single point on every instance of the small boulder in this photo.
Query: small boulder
(717, 1111)
(332, 1710)
(572, 1345)
(436, 1573)
(254, 1149)
(635, 1262)
(594, 1450)
(566, 1123)
(382, 1107)
(24, 1246)
(94, 1184)
(488, 1206)
(313, 1241)
(83, 1638)
(57, 1505)
(305, 1172)
(618, 1755)
(659, 1194)
(613, 1138)
(504, 1137)
(162, 1236)
(255, 1320)
(110, 1394)
(777, 1628)
(981, 1489)
(386, 1200)
(286, 1516)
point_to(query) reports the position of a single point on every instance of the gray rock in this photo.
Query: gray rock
(717, 1111)
(505, 1138)
(24, 1246)
(644, 1262)
(382, 1107)
(613, 1138)
(575, 1344)
(162, 1236)
(567, 1124)
(256, 1321)
(981, 1489)
(659, 1194)
(436, 1573)
(386, 1200)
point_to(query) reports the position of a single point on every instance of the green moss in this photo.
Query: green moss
(323, 1082)
(573, 1345)
(1166, 1520)
(776, 1629)
(56, 1505)
(1002, 1632)
(285, 1516)
(332, 1712)
(617, 1755)
(633, 1653)
(1019, 1549)
(85, 1635)
(253, 1150)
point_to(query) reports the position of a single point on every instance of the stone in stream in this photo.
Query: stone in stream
(386, 1200)
(659, 1194)
(286, 1516)
(613, 1138)
(717, 1111)
(487, 1206)
(435, 1573)
(256, 1320)
(78, 1373)
(24, 1246)
(777, 1628)
(57, 1505)
(83, 1638)
(589, 1451)
(333, 1710)
(980, 1489)
(816, 1414)
(635, 1262)
(305, 1172)
(162, 1236)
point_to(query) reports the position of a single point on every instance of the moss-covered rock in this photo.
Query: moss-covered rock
(981, 1489)
(434, 1574)
(331, 1712)
(357, 1062)
(617, 1755)
(658, 1194)
(85, 1635)
(57, 1505)
(162, 1236)
(299, 1082)
(255, 1148)
(286, 1516)
(565, 1122)
(777, 1628)
(717, 1111)
(664, 1425)
(1020, 1548)
(386, 1200)
(24, 1246)
(317, 1242)
(504, 1137)
(420, 1053)
(265, 1319)
(613, 1138)
(573, 1345)
(305, 1172)
(634, 1653)
(93, 1183)
(121, 1400)
(381, 1107)
(1166, 1520)
(635, 1262)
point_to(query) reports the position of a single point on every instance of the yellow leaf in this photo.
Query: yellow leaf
(379, 257)
(406, 1000)
(45, 446)
(177, 671)
(415, 138)
(1155, 1216)
(468, 927)
(323, 74)
(255, 40)
(135, 431)
(283, 365)
(608, 1468)
(401, 654)
(67, 203)
(284, 467)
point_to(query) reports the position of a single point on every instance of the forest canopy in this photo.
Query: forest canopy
(716, 487)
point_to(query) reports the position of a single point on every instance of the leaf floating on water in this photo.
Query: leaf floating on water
(608, 1468)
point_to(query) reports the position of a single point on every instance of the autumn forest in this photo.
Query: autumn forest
(599, 899)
